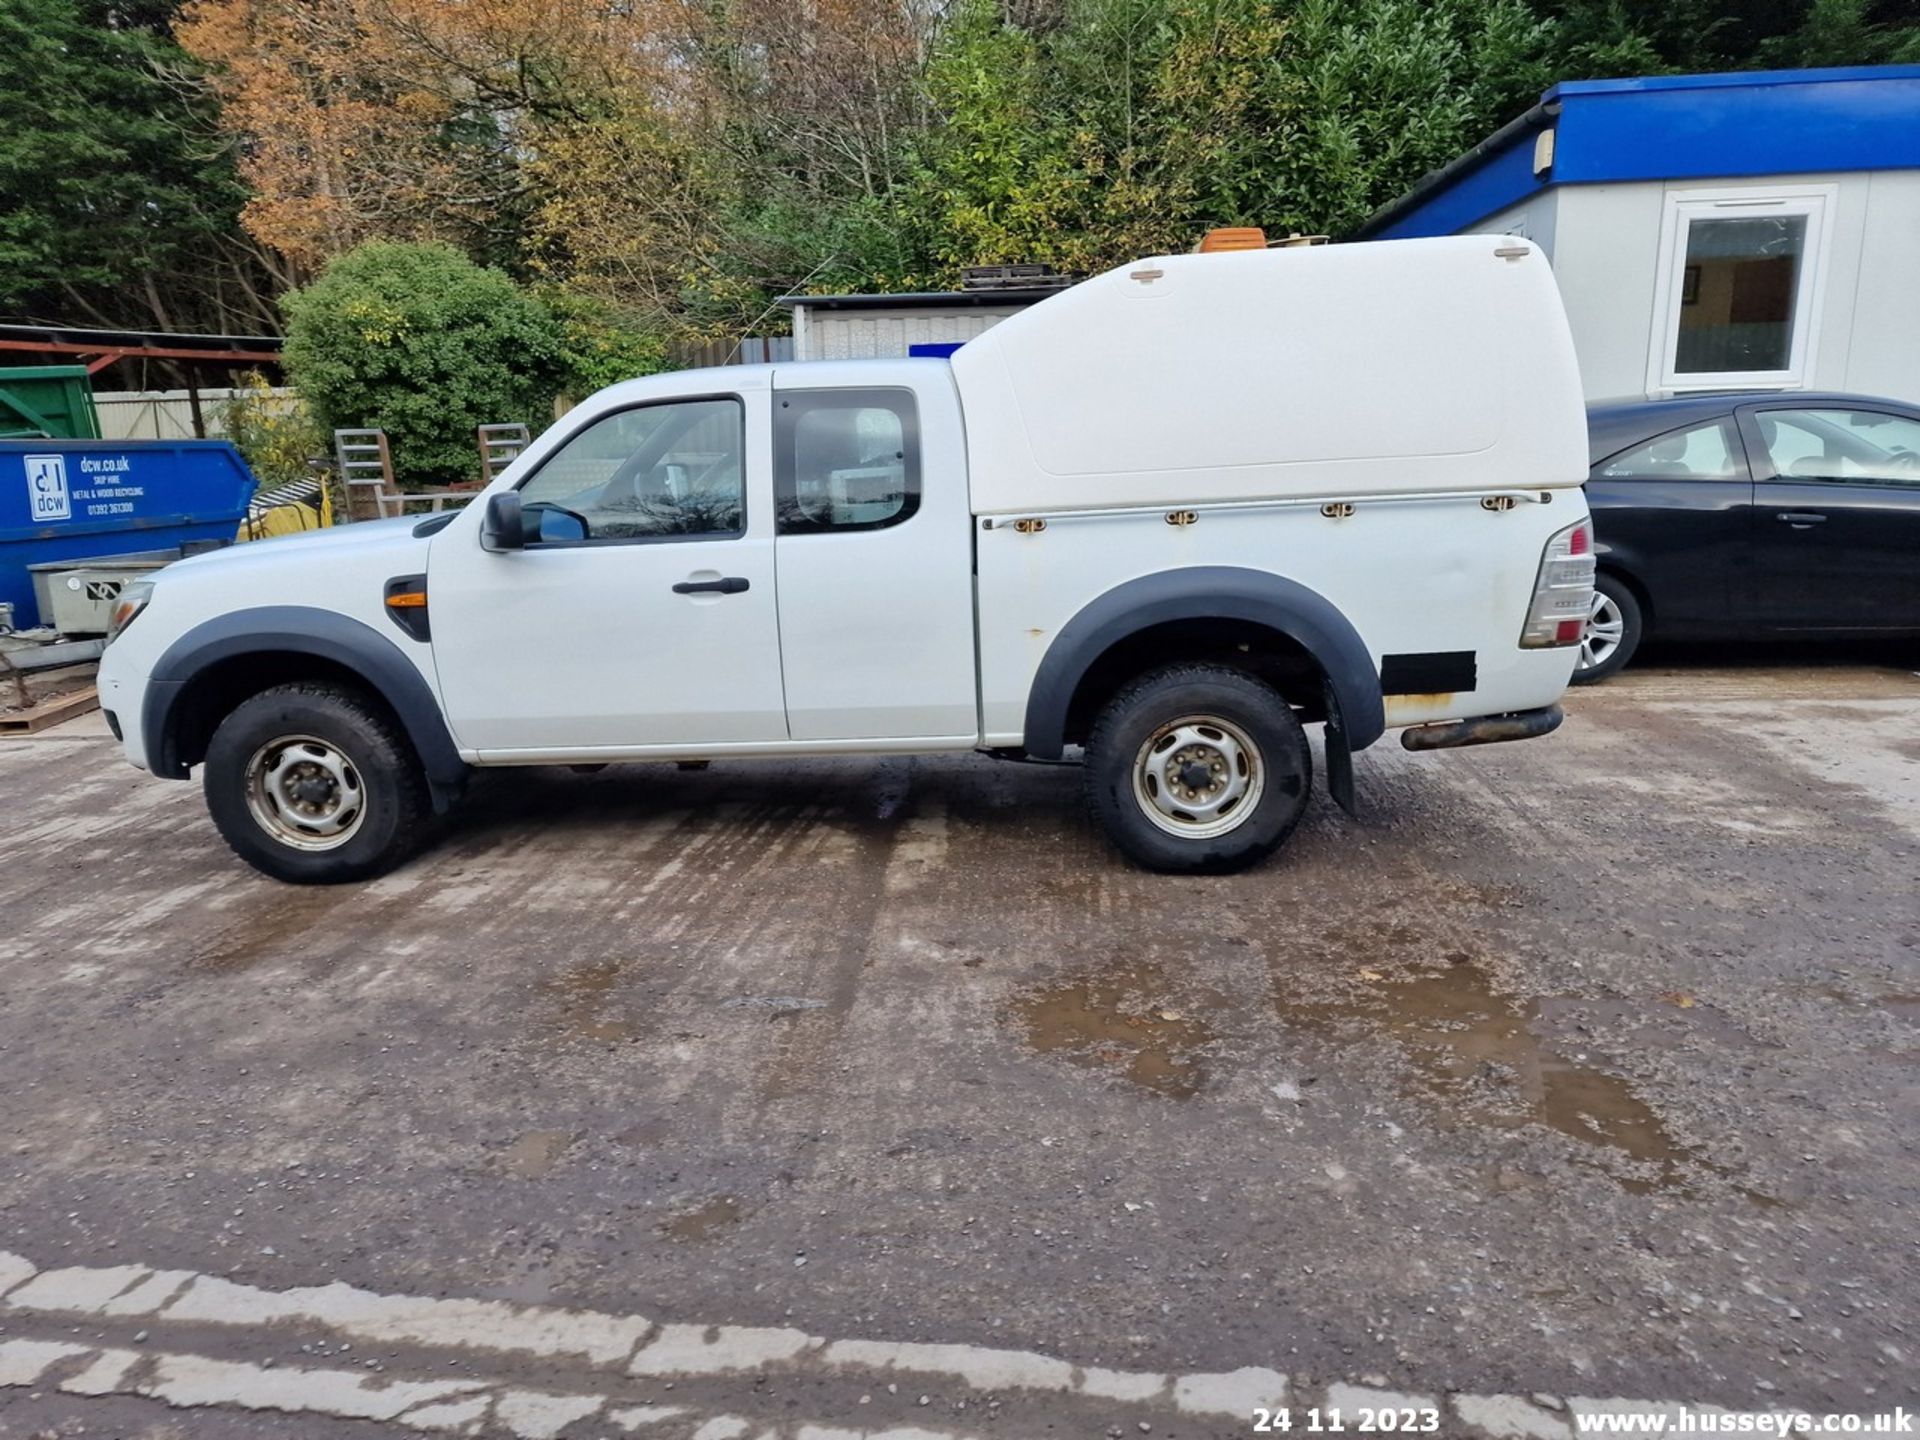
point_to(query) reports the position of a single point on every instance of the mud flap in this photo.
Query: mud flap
(1339, 758)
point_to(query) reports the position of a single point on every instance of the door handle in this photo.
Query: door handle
(731, 585)
(1800, 519)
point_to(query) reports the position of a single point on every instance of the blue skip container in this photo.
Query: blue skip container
(79, 499)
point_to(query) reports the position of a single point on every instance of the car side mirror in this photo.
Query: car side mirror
(503, 529)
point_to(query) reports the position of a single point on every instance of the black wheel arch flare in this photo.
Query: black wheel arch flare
(341, 641)
(1356, 712)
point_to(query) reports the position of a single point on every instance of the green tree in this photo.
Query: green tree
(1125, 126)
(118, 206)
(1113, 128)
(600, 346)
(1084, 132)
(1846, 32)
(997, 181)
(1372, 94)
(1596, 38)
(420, 342)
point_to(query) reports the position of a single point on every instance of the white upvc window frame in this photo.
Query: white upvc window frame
(1818, 203)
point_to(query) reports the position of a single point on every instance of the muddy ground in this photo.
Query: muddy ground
(21, 691)
(1588, 1065)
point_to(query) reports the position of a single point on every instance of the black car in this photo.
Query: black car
(1752, 516)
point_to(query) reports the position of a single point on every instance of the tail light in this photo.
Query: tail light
(1563, 593)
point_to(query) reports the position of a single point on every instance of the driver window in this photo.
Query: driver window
(1841, 445)
(656, 472)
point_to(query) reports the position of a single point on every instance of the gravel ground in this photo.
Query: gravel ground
(1585, 1065)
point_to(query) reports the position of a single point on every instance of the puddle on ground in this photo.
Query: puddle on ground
(1475, 1050)
(1122, 1021)
(535, 1153)
(705, 1220)
(584, 993)
(284, 927)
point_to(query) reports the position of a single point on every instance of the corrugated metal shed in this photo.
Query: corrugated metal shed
(868, 327)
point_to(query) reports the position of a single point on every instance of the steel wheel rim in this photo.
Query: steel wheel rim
(1168, 784)
(1606, 628)
(305, 793)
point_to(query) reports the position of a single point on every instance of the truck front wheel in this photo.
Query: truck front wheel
(1198, 769)
(315, 785)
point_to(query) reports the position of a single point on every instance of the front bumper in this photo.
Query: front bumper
(1484, 729)
(122, 687)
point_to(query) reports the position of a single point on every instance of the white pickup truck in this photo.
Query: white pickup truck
(1167, 516)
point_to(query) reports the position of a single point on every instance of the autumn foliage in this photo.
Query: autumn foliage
(676, 164)
(403, 119)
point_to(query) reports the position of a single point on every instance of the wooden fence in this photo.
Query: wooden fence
(747, 350)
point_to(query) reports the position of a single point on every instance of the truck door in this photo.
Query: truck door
(874, 555)
(641, 612)
(1836, 517)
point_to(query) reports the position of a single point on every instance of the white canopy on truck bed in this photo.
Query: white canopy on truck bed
(1342, 370)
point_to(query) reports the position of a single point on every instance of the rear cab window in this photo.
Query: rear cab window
(845, 460)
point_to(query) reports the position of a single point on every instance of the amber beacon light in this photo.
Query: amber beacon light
(1235, 237)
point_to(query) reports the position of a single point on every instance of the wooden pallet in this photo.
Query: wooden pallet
(50, 712)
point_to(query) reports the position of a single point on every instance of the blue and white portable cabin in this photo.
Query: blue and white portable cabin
(1711, 232)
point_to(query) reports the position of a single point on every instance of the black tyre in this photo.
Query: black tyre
(1614, 628)
(1198, 769)
(316, 785)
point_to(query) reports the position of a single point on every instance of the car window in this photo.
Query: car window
(1704, 452)
(1841, 445)
(653, 472)
(846, 460)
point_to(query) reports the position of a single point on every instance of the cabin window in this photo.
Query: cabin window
(1740, 280)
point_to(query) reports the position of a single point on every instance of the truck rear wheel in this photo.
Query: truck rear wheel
(313, 784)
(1198, 769)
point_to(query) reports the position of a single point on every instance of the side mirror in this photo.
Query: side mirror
(503, 528)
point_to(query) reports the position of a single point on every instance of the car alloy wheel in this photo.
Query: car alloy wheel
(1606, 628)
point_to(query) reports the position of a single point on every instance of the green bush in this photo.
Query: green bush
(276, 434)
(601, 347)
(420, 342)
